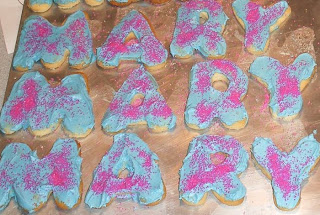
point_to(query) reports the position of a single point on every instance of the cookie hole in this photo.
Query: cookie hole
(123, 174)
(137, 100)
(218, 158)
(131, 39)
(203, 17)
(220, 82)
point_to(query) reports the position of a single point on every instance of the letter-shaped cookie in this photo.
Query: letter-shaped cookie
(259, 23)
(31, 180)
(286, 170)
(44, 5)
(206, 103)
(143, 183)
(34, 104)
(40, 40)
(213, 163)
(132, 39)
(121, 3)
(138, 102)
(190, 35)
(284, 83)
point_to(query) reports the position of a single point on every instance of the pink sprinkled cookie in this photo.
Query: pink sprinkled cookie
(139, 102)
(213, 163)
(284, 83)
(35, 105)
(205, 102)
(143, 184)
(41, 41)
(132, 39)
(31, 180)
(259, 23)
(190, 34)
(287, 171)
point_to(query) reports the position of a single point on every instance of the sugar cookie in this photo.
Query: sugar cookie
(286, 170)
(284, 83)
(31, 180)
(259, 23)
(190, 34)
(138, 101)
(40, 40)
(34, 104)
(132, 39)
(213, 163)
(206, 103)
(143, 184)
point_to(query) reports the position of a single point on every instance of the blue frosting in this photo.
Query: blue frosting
(284, 82)
(31, 180)
(40, 40)
(40, 2)
(206, 103)
(199, 174)
(146, 48)
(153, 110)
(190, 35)
(259, 22)
(287, 170)
(143, 183)
(34, 104)
(48, 3)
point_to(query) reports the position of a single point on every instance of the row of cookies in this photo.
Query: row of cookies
(33, 104)
(133, 38)
(129, 171)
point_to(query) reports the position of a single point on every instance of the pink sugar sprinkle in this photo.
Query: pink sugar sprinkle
(252, 35)
(280, 172)
(288, 86)
(204, 111)
(4, 179)
(43, 29)
(218, 172)
(186, 37)
(132, 112)
(23, 105)
(61, 171)
(31, 180)
(58, 178)
(143, 85)
(162, 111)
(115, 104)
(98, 186)
(147, 159)
(227, 67)
(109, 183)
(253, 13)
(203, 82)
(234, 97)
